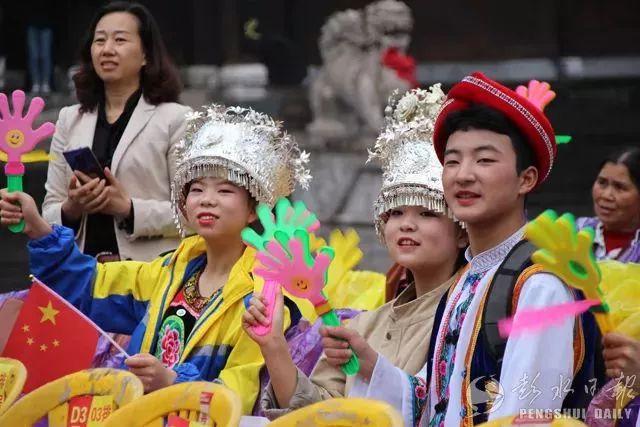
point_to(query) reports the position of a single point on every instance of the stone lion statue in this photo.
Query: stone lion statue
(349, 93)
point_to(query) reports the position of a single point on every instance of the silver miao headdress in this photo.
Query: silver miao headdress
(411, 172)
(246, 147)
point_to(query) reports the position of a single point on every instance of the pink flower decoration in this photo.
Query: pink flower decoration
(442, 367)
(421, 392)
(170, 347)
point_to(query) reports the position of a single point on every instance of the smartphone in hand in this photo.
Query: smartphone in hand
(85, 161)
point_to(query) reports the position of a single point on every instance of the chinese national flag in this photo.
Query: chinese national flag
(50, 337)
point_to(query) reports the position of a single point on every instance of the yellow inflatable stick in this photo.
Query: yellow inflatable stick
(342, 412)
(522, 421)
(621, 287)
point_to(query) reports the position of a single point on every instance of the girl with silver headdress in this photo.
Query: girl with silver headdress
(413, 221)
(183, 309)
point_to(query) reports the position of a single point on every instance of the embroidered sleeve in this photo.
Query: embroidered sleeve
(392, 385)
(418, 389)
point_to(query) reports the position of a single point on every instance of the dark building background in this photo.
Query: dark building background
(211, 31)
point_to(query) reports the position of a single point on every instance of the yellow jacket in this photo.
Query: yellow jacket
(131, 297)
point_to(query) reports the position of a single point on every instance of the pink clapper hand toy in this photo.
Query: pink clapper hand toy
(288, 218)
(269, 294)
(303, 279)
(17, 137)
(274, 259)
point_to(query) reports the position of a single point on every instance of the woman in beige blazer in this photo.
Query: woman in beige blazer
(127, 89)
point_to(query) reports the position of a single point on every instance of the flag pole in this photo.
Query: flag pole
(112, 341)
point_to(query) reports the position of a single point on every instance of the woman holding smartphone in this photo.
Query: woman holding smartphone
(127, 114)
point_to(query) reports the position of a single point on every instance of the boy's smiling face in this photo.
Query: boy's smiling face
(480, 179)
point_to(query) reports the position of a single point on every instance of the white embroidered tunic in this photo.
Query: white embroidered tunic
(536, 369)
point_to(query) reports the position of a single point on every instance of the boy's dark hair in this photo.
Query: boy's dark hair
(629, 157)
(481, 117)
(159, 78)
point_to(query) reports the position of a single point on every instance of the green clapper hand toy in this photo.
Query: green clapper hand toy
(297, 270)
(303, 276)
(568, 254)
(281, 227)
(17, 138)
(288, 218)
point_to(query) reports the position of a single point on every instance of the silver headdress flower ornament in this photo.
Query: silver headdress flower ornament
(411, 172)
(244, 146)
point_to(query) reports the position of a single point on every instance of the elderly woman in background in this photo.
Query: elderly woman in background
(616, 202)
(127, 88)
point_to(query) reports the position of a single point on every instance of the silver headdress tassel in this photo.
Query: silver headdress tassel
(246, 147)
(411, 172)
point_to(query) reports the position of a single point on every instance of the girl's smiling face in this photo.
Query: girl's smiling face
(216, 208)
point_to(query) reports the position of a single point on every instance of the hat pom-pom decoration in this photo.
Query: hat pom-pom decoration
(537, 93)
(540, 95)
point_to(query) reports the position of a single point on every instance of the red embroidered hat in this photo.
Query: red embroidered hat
(524, 107)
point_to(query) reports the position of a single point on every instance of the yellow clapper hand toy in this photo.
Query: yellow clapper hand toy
(568, 254)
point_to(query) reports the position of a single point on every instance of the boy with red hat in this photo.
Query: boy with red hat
(496, 146)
